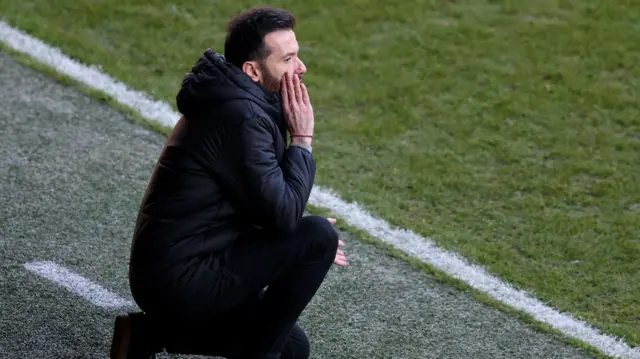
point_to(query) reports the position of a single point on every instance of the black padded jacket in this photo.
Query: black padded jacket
(225, 170)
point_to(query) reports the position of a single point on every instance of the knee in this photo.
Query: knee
(321, 233)
(298, 345)
(304, 349)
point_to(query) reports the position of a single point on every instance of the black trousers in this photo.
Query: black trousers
(252, 323)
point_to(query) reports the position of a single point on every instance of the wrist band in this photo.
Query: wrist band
(309, 136)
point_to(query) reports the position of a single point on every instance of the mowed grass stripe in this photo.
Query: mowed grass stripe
(506, 131)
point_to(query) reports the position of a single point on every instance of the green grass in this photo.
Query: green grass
(363, 236)
(508, 131)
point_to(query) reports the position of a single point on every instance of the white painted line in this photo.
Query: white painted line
(475, 276)
(89, 76)
(355, 216)
(79, 285)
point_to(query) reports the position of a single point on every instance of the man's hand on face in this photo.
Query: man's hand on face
(340, 259)
(297, 108)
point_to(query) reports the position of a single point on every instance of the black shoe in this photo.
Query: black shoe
(133, 338)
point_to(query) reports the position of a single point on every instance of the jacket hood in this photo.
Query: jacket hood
(213, 80)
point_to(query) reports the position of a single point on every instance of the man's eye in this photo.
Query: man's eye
(287, 59)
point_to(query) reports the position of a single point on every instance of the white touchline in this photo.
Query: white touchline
(79, 285)
(411, 243)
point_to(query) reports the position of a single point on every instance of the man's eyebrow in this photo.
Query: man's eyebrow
(292, 53)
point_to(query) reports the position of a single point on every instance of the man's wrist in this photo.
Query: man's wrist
(304, 142)
(299, 140)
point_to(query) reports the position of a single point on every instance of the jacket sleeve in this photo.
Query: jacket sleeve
(273, 195)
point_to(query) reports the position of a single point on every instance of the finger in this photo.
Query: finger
(341, 262)
(332, 220)
(340, 243)
(340, 253)
(284, 88)
(305, 95)
(297, 88)
(291, 89)
(290, 86)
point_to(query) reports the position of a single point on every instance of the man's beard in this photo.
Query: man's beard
(270, 82)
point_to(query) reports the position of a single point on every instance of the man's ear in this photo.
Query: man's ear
(252, 70)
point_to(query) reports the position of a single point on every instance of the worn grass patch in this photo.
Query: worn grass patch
(507, 131)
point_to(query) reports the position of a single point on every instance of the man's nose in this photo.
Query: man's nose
(301, 68)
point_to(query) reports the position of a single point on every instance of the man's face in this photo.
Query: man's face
(283, 57)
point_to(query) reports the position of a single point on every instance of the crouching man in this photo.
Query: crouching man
(222, 217)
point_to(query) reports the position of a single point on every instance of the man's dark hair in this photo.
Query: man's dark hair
(246, 32)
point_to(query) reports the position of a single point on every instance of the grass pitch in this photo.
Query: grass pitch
(73, 171)
(508, 131)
